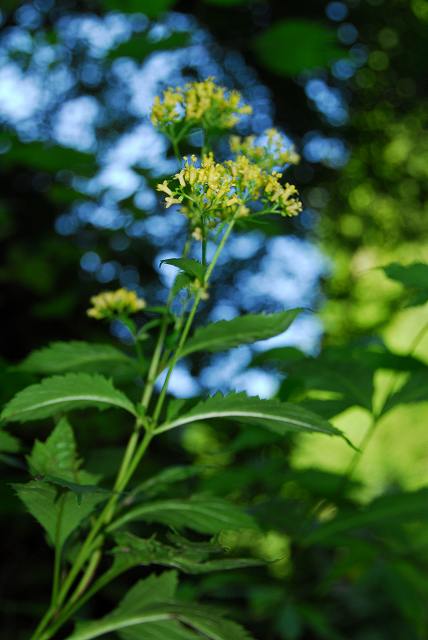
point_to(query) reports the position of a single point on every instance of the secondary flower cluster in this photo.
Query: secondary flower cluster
(208, 191)
(202, 104)
(274, 153)
(109, 304)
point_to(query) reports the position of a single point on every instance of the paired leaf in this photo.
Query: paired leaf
(59, 357)
(279, 417)
(64, 393)
(201, 513)
(190, 267)
(247, 329)
(58, 513)
(187, 557)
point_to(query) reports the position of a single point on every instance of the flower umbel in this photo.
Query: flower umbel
(121, 302)
(210, 191)
(275, 153)
(203, 104)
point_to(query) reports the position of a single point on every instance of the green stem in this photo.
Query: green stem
(189, 322)
(58, 553)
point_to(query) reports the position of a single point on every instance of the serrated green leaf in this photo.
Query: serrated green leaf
(64, 393)
(205, 514)
(149, 612)
(59, 357)
(382, 512)
(57, 455)
(59, 514)
(247, 329)
(8, 443)
(189, 558)
(191, 267)
(290, 47)
(280, 417)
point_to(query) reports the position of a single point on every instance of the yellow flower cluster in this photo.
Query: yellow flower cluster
(211, 191)
(110, 303)
(274, 153)
(202, 104)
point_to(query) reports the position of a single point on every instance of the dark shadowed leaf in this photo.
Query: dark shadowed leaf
(290, 47)
(202, 513)
(58, 513)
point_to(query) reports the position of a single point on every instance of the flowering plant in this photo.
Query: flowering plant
(88, 523)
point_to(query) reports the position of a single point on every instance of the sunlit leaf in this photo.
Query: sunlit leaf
(247, 329)
(59, 357)
(64, 393)
(280, 417)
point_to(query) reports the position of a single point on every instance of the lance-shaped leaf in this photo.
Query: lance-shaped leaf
(280, 417)
(189, 266)
(149, 611)
(226, 334)
(64, 393)
(202, 513)
(187, 557)
(59, 357)
(58, 513)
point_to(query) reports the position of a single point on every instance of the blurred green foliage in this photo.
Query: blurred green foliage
(366, 578)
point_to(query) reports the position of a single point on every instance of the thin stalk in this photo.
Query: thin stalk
(58, 553)
(88, 575)
(137, 457)
(154, 365)
(189, 322)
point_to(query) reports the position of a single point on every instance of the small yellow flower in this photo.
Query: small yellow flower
(274, 153)
(203, 104)
(113, 303)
